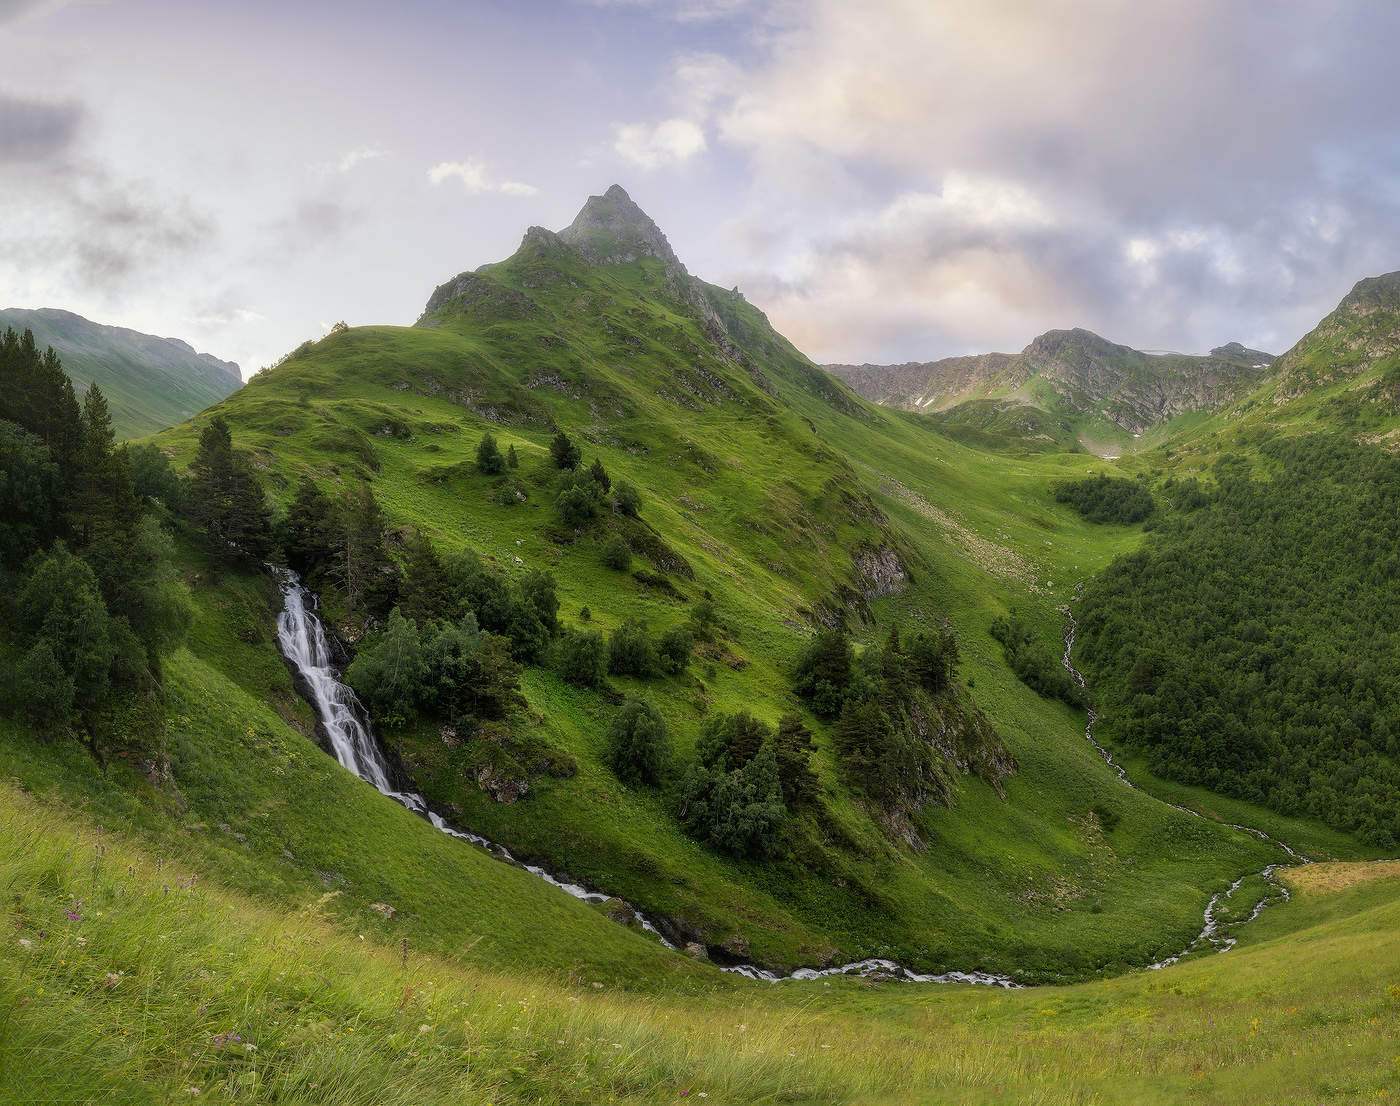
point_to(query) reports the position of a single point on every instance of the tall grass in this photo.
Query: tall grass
(130, 976)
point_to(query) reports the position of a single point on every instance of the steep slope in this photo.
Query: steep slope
(150, 383)
(1073, 373)
(780, 502)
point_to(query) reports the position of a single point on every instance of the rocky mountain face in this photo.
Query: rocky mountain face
(150, 382)
(1362, 333)
(1076, 371)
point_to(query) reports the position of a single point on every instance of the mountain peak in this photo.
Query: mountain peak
(612, 229)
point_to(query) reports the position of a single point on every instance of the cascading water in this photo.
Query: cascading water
(302, 639)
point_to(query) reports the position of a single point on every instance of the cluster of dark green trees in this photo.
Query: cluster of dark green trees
(92, 601)
(884, 707)
(1108, 499)
(1034, 665)
(586, 657)
(585, 494)
(1252, 647)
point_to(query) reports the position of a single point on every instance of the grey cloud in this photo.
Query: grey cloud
(35, 130)
(312, 222)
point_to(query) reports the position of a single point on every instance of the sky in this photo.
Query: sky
(890, 180)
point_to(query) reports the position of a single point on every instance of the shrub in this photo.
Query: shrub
(673, 650)
(738, 810)
(581, 657)
(631, 652)
(626, 499)
(639, 748)
(579, 499)
(617, 554)
(1108, 499)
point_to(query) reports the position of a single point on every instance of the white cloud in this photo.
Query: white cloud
(475, 178)
(354, 158)
(671, 141)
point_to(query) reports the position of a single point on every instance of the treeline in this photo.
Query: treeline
(1108, 499)
(1251, 646)
(92, 601)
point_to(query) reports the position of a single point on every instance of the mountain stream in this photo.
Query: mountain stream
(302, 640)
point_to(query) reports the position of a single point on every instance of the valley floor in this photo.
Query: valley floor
(125, 979)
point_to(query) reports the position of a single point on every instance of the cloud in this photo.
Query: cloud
(352, 159)
(34, 130)
(934, 178)
(685, 11)
(475, 178)
(669, 142)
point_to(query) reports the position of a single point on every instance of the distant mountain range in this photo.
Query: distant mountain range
(150, 382)
(1073, 372)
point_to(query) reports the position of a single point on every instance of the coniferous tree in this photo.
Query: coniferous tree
(309, 534)
(425, 592)
(226, 499)
(793, 748)
(511, 460)
(488, 456)
(366, 572)
(566, 455)
(600, 475)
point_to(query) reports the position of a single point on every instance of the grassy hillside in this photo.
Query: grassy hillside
(150, 382)
(770, 482)
(130, 974)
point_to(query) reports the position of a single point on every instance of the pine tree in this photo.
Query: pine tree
(488, 456)
(366, 572)
(226, 499)
(566, 455)
(600, 475)
(511, 460)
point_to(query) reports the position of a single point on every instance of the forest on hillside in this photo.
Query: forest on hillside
(1251, 646)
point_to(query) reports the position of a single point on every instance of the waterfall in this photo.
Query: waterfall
(302, 639)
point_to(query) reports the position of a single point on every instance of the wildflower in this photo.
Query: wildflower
(74, 913)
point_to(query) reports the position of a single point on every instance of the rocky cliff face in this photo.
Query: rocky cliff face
(1086, 374)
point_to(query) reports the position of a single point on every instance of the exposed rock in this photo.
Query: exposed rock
(620, 911)
(383, 909)
(736, 945)
(696, 951)
(882, 572)
(500, 786)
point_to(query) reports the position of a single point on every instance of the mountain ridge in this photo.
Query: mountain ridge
(151, 382)
(1074, 371)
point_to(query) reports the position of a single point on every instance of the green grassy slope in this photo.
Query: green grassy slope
(150, 382)
(125, 981)
(766, 476)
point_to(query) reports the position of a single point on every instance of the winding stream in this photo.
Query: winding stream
(302, 639)
(1213, 931)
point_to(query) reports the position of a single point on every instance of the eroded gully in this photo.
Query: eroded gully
(302, 639)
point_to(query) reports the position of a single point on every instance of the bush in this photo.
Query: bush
(1034, 665)
(631, 652)
(673, 650)
(639, 748)
(626, 499)
(617, 554)
(581, 657)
